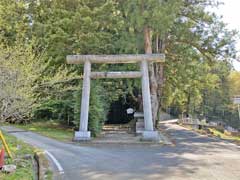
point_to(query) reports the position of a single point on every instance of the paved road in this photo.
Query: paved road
(194, 157)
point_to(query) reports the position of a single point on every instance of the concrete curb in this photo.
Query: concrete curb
(42, 166)
(163, 140)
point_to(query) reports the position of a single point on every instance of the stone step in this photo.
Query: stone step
(139, 131)
(142, 127)
(120, 126)
(140, 120)
(116, 129)
(139, 128)
(138, 115)
(140, 123)
(115, 132)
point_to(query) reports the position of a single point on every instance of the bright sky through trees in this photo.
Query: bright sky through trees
(231, 15)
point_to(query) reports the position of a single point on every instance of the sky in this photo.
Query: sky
(230, 11)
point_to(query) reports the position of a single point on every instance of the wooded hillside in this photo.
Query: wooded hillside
(36, 83)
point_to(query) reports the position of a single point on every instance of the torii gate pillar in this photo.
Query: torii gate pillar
(148, 133)
(83, 133)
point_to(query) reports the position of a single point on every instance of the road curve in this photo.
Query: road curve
(195, 157)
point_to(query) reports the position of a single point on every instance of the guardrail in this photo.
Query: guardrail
(197, 122)
(203, 124)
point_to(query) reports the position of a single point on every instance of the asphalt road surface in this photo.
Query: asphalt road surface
(195, 157)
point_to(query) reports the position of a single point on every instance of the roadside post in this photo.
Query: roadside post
(2, 158)
(5, 144)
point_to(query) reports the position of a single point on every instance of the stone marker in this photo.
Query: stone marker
(9, 168)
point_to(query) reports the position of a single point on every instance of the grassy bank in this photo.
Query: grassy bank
(215, 133)
(50, 129)
(221, 135)
(25, 170)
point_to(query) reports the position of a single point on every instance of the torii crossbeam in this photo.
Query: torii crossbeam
(143, 59)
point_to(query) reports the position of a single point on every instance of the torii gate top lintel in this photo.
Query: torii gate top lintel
(115, 59)
(143, 59)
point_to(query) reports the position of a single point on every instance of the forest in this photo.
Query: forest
(36, 84)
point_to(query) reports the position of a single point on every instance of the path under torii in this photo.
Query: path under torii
(143, 59)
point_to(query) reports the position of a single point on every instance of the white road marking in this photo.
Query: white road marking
(60, 169)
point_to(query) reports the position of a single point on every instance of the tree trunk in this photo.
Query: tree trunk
(152, 74)
(147, 40)
(160, 47)
(156, 75)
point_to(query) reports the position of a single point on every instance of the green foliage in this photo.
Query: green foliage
(198, 51)
(19, 69)
(79, 26)
(37, 35)
(14, 21)
(234, 80)
(50, 128)
(97, 111)
(158, 15)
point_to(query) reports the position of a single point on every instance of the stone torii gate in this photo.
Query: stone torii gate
(149, 133)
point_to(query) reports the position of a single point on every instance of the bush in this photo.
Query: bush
(19, 69)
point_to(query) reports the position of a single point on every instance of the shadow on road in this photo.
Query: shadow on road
(194, 157)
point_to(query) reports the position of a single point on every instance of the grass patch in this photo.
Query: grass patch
(214, 132)
(49, 175)
(25, 170)
(224, 136)
(50, 129)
